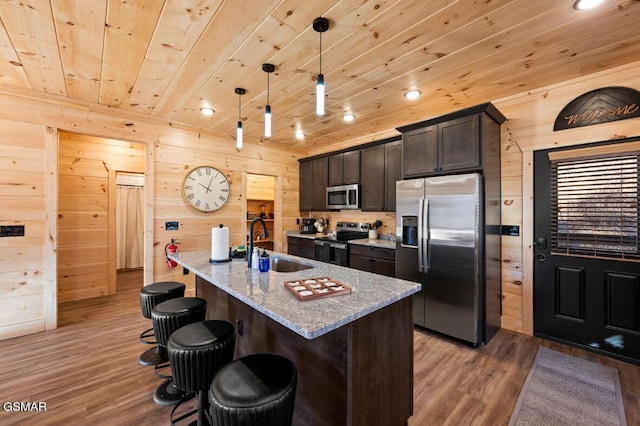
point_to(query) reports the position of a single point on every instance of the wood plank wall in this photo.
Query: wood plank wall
(22, 196)
(173, 149)
(87, 167)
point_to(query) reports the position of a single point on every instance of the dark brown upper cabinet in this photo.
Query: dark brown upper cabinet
(451, 143)
(344, 168)
(313, 184)
(381, 168)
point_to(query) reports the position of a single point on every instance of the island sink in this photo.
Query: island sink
(280, 264)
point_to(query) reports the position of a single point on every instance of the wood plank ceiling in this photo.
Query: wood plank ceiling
(168, 58)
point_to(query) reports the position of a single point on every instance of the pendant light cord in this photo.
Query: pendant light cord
(320, 53)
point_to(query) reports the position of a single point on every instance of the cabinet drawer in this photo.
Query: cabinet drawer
(374, 252)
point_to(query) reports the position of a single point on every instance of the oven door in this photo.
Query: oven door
(323, 251)
(331, 252)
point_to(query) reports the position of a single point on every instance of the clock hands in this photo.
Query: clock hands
(205, 187)
(208, 187)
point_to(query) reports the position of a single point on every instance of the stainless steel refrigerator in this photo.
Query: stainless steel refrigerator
(442, 244)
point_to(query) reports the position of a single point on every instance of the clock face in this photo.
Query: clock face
(206, 188)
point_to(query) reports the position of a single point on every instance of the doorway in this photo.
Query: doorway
(129, 221)
(262, 201)
(86, 251)
(587, 247)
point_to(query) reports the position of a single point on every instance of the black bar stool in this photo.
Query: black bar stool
(150, 296)
(196, 352)
(255, 390)
(168, 317)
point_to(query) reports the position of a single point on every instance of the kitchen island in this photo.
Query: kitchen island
(353, 352)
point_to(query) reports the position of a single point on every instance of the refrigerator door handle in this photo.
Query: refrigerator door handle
(420, 235)
(425, 233)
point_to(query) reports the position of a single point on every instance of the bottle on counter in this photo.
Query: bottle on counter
(264, 261)
(254, 258)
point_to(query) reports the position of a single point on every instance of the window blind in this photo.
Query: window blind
(594, 206)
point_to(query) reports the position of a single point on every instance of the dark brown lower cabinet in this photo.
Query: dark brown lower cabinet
(373, 259)
(302, 247)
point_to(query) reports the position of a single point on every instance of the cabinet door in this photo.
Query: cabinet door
(384, 267)
(372, 175)
(351, 169)
(459, 144)
(306, 183)
(363, 263)
(392, 173)
(336, 169)
(319, 184)
(420, 148)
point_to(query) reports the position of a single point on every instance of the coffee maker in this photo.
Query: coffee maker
(307, 226)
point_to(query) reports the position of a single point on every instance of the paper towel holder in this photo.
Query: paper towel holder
(228, 259)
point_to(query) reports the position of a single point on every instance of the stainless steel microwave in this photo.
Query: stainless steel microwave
(343, 197)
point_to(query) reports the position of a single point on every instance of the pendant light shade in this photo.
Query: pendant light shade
(240, 91)
(320, 25)
(268, 68)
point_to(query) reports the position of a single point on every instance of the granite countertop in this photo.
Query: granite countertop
(362, 242)
(265, 291)
(387, 244)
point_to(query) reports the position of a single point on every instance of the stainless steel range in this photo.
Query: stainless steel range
(335, 250)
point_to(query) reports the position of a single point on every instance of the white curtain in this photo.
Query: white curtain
(129, 227)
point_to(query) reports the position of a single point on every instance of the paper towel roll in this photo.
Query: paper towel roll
(219, 243)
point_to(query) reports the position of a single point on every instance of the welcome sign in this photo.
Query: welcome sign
(599, 106)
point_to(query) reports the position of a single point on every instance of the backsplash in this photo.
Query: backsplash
(388, 219)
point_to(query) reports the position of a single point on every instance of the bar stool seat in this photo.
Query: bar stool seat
(197, 352)
(168, 317)
(150, 296)
(258, 389)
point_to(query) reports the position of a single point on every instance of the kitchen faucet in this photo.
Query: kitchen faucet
(265, 234)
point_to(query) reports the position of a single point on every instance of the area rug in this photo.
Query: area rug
(564, 390)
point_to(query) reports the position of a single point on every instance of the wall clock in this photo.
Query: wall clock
(206, 188)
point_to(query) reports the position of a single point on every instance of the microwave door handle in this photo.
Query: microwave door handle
(421, 235)
(426, 235)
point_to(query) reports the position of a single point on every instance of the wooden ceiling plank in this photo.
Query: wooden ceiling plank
(129, 29)
(33, 35)
(225, 32)
(80, 27)
(11, 70)
(179, 29)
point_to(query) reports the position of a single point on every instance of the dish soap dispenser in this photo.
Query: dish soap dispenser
(254, 258)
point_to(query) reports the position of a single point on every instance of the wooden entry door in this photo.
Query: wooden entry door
(586, 266)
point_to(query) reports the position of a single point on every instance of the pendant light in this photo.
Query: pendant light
(268, 68)
(320, 25)
(240, 91)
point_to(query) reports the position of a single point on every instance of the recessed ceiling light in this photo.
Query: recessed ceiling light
(586, 4)
(299, 134)
(412, 94)
(348, 117)
(208, 111)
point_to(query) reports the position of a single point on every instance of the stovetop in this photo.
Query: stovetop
(346, 231)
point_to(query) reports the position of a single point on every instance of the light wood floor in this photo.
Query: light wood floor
(87, 371)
